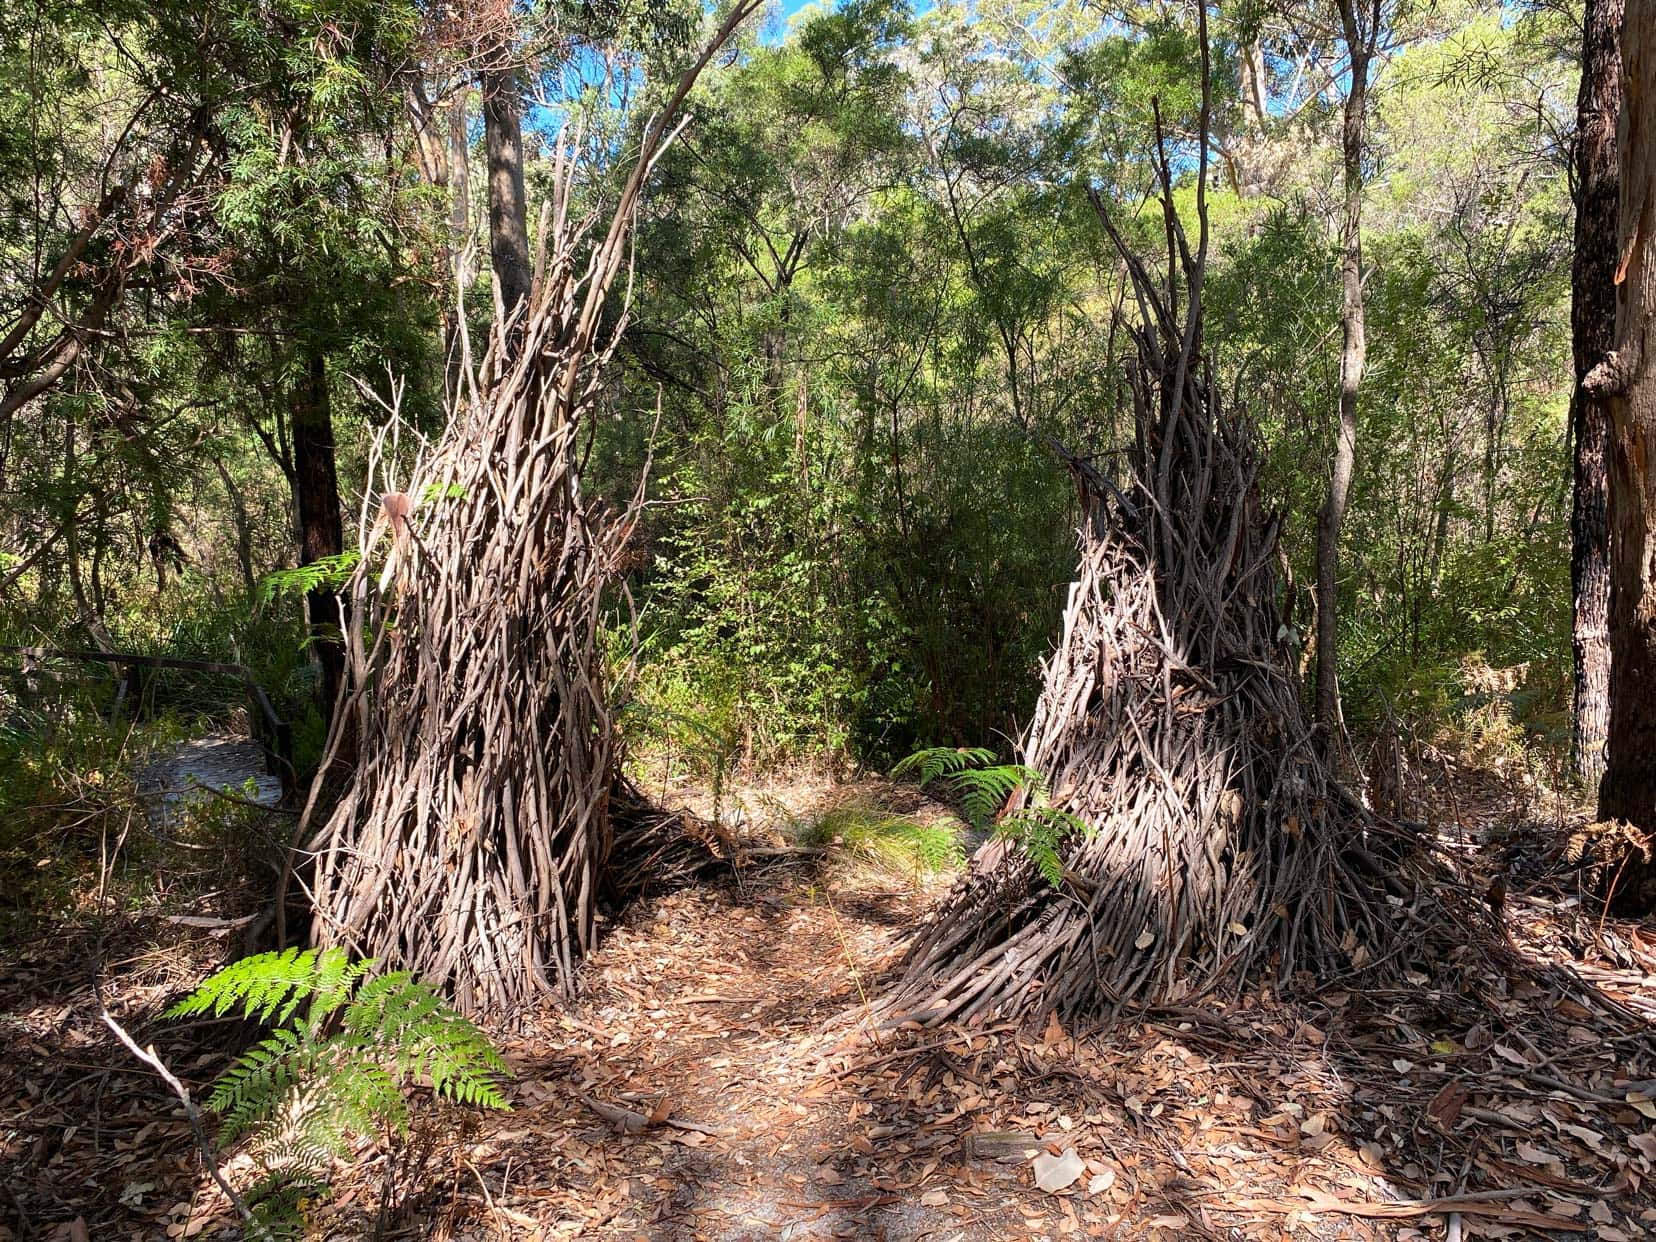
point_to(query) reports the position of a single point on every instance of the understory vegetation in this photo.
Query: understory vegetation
(588, 560)
(868, 290)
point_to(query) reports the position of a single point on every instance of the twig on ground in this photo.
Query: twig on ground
(208, 1154)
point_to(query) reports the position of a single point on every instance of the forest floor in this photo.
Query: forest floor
(719, 1080)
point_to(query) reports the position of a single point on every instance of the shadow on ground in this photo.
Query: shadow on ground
(1490, 1096)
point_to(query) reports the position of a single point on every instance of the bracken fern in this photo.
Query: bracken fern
(347, 1047)
(984, 787)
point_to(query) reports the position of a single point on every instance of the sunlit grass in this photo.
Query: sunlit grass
(896, 843)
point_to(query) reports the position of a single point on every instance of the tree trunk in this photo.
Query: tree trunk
(243, 522)
(1359, 45)
(1593, 329)
(508, 207)
(1628, 791)
(462, 256)
(321, 528)
(90, 619)
(459, 161)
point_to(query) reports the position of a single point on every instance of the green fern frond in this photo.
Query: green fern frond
(429, 1039)
(278, 1201)
(940, 761)
(252, 1089)
(340, 1069)
(1041, 831)
(270, 986)
(972, 775)
(367, 1097)
(330, 572)
(336, 978)
(984, 789)
(301, 1149)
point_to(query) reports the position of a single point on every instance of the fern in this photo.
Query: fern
(338, 1068)
(943, 761)
(984, 788)
(325, 572)
(1040, 831)
(269, 982)
(278, 1204)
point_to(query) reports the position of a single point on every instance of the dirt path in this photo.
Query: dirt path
(1480, 1100)
(732, 1008)
(723, 1006)
(181, 775)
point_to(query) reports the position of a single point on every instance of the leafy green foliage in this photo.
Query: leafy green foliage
(1041, 831)
(867, 290)
(895, 842)
(985, 787)
(347, 1047)
(982, 785)
(270, 986)
(325, 572)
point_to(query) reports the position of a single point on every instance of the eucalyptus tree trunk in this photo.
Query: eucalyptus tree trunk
(459, 159)
(462, 255)
(1353, 353)
(321, 527)
(1593, 329)
(1628, 790)
(508, 206)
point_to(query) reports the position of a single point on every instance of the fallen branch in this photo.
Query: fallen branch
(208, 1154)
(1487, 1203)
(633, 1122)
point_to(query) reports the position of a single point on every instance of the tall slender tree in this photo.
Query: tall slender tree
(321, 526)
(1360, 24)
(1625, 378)
(508, 206)
(1593, 330)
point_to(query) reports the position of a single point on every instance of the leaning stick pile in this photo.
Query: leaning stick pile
(470, 841)
(1222, 849)
(467, 844)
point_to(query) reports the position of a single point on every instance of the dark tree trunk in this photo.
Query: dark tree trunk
(1593, 328)
(1353, 353)
(321, 528)
(508, 207)
(243, 522)
(90, 618)
(1628, 791)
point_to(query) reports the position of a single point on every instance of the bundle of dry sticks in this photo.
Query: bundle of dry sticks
(470, 840)
(1221, 846)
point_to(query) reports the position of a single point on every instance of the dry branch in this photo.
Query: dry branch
(655, 850)
(470, 841)
(1171, 721)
